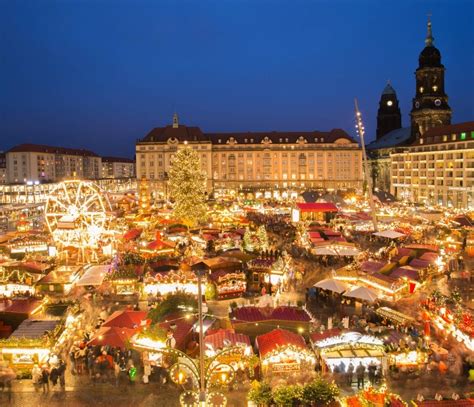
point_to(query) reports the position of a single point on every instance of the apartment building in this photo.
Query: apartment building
(34, 163)
(118, 167)
(438, 168)
(3, 168)
(270, 161)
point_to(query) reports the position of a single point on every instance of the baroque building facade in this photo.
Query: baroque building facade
(272, 162)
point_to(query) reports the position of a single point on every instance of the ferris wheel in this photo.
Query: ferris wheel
(77, 214)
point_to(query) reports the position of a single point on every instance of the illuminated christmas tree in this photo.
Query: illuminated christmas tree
(187, 185)
(262, 238)
(247, 240)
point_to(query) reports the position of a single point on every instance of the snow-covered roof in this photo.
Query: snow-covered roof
(391, 139)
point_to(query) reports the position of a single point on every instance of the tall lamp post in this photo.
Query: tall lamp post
(201, 269)
(368, 178)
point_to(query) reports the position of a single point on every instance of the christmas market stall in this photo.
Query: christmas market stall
(168, 282)
(315, 211)
(346, 348)
(227, 284)
(20, 277)
(30, 343)
(283, 352)
(59, 281)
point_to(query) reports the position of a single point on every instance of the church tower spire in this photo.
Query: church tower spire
(175, 121)
(429, 41)
(389, 116)
(430, 105)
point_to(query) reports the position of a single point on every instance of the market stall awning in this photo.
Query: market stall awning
(317, 207)
(406, 272)
(332, 285)
(389, 234)
(362, 293)
(132, 234)
(112, 336)
(394, 315)
(427, 247)
(126, 319)
(34, 328)
(93, 276)
(278, 338)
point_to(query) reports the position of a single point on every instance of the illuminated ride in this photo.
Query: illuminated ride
(78, 216)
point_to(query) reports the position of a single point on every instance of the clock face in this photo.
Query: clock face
(389, 103)
(417, 104)
(438, 102)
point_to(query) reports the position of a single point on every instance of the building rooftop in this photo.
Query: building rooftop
(117, 160)
(182, 133)
(393, 138)
(436, 134)
(39, 148)
(34, 328)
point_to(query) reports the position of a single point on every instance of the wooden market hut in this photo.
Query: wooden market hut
(314, 211)
(284, 352)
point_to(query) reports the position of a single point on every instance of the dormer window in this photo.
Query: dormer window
(286, 140)
(281, 140)
(251, 140)
(445, 138)
(322, 139)
(219, 141)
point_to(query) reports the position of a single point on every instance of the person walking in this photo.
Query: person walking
(45, 378)
(360, 372)
(350, 373)
(62, 374)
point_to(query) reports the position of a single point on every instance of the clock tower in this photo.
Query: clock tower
(430, 105)
(388, 116)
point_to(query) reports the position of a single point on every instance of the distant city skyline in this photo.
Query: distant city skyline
(96, 76)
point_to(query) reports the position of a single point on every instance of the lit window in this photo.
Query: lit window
(435, 88)
(472, 134)
(421, 89)
(453, 137)
(463, 136)
(421, 141)
(445, 138)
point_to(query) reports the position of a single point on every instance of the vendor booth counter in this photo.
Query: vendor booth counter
(349, 347)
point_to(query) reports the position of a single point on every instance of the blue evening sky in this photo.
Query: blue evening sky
(99, 74)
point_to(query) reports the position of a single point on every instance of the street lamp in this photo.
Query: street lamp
(201, 269)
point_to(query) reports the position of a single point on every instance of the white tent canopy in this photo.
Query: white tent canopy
(389, 234)
(362, 293)
(335, 250)
(93, 276)
(332, 285)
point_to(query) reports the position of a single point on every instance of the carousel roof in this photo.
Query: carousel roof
(277, 338)
(126, 319)
(226, 337)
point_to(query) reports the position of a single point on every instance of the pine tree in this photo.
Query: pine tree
(187, 185)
